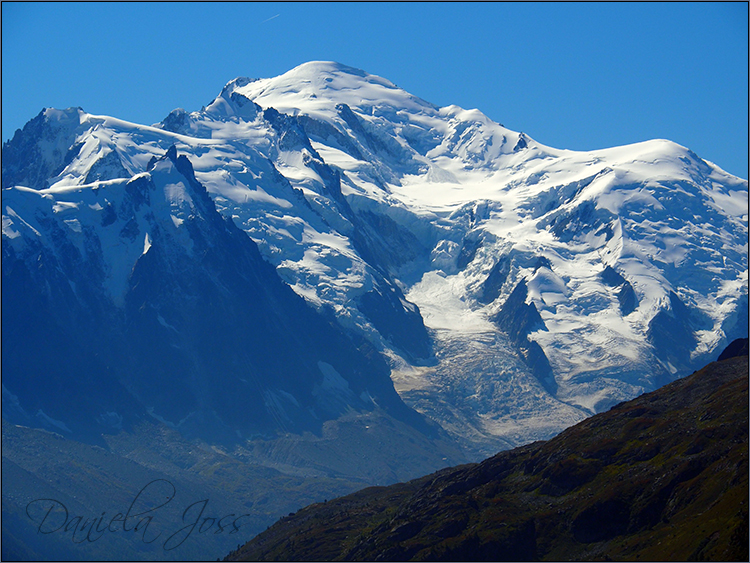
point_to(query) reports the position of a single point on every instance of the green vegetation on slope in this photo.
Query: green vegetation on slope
(661, 477)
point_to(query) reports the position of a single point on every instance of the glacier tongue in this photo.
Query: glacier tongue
(479, 386)
(514, 287)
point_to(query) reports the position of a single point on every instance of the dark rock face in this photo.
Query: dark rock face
(624, 290)
(291, 135)
(627, 298)
(521, 144)
(537, 360)
(247, 108)
(495, 280)
(517, 317)
(468, 252)
(661, 477)
(583, 218)
(177, 121)
(405, 328)
(26, 163)
(383, 242)
(671, 330)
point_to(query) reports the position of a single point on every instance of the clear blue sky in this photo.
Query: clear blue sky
(577, 76)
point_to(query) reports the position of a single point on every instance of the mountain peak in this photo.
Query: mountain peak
(316, 87)
(309, 72)
(238, 82)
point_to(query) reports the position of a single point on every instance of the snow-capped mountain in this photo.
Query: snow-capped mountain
(513, 288)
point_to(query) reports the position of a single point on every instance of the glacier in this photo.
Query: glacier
(513, 288)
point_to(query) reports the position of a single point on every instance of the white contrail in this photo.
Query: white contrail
(271, 18)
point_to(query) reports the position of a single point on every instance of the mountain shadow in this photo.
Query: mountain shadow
(208, 338)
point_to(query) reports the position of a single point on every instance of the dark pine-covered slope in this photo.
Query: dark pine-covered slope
(661, 477)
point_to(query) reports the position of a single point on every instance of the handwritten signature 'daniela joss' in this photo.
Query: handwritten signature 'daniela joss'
(141, 519)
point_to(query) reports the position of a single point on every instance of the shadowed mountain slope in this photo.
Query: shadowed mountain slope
(203, 333)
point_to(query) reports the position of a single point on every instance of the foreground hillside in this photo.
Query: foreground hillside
(661, 477)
